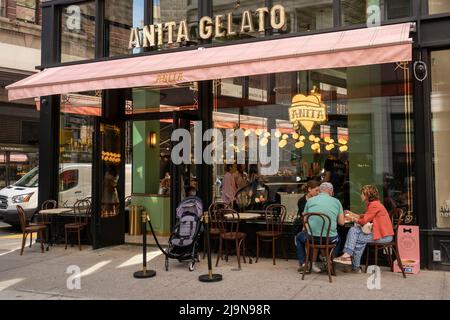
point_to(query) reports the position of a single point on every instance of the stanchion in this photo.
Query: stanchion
(210, 277)
(144, 273)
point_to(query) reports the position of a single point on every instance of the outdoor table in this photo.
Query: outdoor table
(244, 216)
(54, 213)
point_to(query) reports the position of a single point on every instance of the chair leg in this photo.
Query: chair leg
(24, 239)
(219, 254)
(389, 257)
(243, 246)
(238, 253)
(65, 237)
(367, 257)
(79, 239)
(399, 261)
(42, 240)
(328, 264)
(257, 249)
(273, 251)
(333, 271)
(31, 238)
(306, 261)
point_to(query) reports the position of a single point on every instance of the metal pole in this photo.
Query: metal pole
(144, 273)
(210, 277)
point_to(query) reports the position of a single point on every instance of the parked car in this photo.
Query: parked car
(75, 184)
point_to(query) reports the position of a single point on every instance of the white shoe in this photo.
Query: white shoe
(315, 268)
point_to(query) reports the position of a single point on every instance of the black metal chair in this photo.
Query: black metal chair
(315, 243)
(397, 217)
(275, 215)
(82, 214)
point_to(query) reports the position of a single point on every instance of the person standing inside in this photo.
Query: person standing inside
(323, 203)
(229, 186)
(357, 239)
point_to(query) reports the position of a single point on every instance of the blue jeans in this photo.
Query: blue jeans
(300, 241)
(356, 243)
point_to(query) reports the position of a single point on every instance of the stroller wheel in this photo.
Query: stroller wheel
(191, 266)
(167, 264)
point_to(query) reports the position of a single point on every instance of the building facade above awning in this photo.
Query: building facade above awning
(367, 46)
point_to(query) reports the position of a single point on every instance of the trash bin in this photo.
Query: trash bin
(135, 220)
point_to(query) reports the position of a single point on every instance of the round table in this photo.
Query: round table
(244, 216)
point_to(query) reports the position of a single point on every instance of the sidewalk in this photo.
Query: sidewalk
(108, 274)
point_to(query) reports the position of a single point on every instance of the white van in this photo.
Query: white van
(75, 184)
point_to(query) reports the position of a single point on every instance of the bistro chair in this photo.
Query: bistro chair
(214, 230)
(397, 216)
(229, 231)
(82, 213)
(275, 215)
(315, 243)
(46, 220)
(29, 230)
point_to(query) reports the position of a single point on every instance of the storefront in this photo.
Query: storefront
(353, 92)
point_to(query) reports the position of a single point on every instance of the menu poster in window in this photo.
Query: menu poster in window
(110, 164)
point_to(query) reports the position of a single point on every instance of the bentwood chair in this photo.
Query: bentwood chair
(396, 216)
(46, 220)
(315, 243)
(228, 223)
(82, 214)
(275, 215)
(214, 230)
(29, 230)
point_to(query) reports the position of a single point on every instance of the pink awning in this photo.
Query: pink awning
(357, 47)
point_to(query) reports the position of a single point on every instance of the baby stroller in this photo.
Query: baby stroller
(183, 242)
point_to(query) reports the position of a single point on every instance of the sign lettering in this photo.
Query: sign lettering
(219, 26)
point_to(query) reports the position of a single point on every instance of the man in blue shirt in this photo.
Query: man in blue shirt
(323, 203)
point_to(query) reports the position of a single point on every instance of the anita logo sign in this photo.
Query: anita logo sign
(307, 111)
(218, 27)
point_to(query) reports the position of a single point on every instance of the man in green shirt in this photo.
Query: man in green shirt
(323, 203)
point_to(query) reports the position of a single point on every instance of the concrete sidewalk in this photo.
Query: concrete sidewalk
(108, 274)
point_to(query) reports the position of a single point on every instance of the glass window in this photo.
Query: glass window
(303, 15)
(78, 32)
(2, 8)
(170, 13)
(26, 10)
(353, 127)
(68, 179)
(120, 17)
(78, 112)
(440, 107)
(438, 6)
(356, 11)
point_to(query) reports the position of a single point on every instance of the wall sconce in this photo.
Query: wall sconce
(152, 138)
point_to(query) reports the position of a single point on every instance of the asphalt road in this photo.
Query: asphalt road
(10, 238)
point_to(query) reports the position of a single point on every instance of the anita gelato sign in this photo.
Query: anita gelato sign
(219, 26)
(307, 111)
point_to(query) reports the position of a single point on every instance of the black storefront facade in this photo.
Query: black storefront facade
(416, 160)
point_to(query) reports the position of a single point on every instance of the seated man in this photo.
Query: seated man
(326, 204)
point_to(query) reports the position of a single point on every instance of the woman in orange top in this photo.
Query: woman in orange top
(382, 230)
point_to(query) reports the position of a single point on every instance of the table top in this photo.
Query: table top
(55, 211)
(244, 216)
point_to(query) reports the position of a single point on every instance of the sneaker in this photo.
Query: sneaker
(316, 268)
(350, 269)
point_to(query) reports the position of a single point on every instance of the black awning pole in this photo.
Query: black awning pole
(210, 277)
(144, 273)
